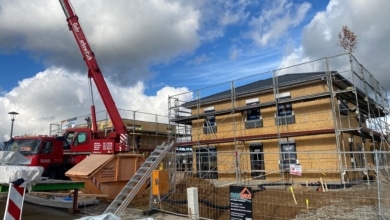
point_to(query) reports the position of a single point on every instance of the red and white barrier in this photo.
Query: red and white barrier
(14, 207)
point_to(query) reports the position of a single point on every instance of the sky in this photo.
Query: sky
(151, 49)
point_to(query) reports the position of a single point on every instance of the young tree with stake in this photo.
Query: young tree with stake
(347, 39)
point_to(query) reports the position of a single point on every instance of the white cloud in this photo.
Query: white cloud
(368, 21)
(55, 95)
(216, 15)
(274, 21)
(233, 12)
(130, 36)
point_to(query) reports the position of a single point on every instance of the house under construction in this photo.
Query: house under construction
(322, 117)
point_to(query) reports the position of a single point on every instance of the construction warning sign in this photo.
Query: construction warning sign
(240, 203)
(295, 169)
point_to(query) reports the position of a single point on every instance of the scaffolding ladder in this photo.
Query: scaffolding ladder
(130, 190)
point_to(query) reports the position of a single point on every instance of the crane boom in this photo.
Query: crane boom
(97, 76)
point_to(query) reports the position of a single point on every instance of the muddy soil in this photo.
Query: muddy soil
(356, 202)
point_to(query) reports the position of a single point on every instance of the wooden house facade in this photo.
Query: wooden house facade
(321, 122)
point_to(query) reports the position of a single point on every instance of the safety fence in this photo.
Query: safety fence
(316, 185)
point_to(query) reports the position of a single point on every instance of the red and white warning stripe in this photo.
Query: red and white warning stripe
(15, 201)
(123, 141)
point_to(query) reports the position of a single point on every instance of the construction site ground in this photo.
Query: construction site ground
(355, 202)
(33, 211)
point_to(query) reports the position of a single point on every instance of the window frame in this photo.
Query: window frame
(289, 156)
(256, 111)
(210, 118)
(207, 157)
(285, 109)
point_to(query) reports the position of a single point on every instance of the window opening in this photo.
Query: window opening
(257, 161)
(253, 114)
(284, 112)
(184, 158)
(206, 160)
(289, 155)
(284, 109)
(210, 119)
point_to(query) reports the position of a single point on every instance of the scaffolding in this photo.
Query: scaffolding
(221, 114)
(146, 130)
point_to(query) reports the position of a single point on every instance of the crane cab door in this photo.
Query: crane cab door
(78, 141)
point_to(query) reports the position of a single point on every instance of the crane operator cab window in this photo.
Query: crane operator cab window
(81, 138)
(74, 139)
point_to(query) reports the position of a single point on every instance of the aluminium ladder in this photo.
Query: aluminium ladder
(130, 190)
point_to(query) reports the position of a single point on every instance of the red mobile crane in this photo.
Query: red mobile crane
(116, 141)
(59, 154)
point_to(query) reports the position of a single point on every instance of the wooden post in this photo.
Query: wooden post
(292, 192)
(75, 208)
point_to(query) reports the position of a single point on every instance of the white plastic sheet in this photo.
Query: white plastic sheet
(12, 168)
(108, 216)
(13, 158)
(31, 175)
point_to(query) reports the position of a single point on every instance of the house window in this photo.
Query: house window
(257, 160)
(206, 163)
(209, 120)
(184, 159)
(285, 113)
(285, 109)
(289, 155)
(253, 115)
(210, 125)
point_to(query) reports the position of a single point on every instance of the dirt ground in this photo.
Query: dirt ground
(355, 202)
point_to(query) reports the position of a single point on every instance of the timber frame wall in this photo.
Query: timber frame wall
(331, 104)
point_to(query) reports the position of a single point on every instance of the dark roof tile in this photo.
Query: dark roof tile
(260, 85)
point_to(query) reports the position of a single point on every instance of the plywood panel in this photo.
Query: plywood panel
(89, 165)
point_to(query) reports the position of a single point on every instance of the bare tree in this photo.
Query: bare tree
(347, 39)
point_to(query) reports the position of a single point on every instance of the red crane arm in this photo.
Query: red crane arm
(93, 67)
